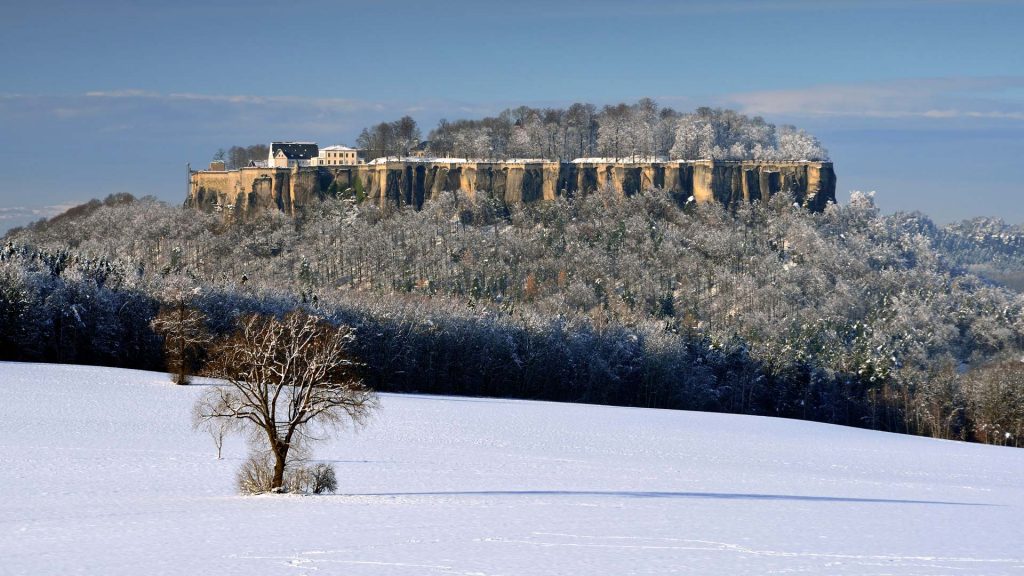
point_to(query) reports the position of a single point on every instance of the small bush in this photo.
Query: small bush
(256, 474)
(317, 479)
(324, 479)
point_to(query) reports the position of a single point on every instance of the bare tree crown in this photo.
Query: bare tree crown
(287, 378)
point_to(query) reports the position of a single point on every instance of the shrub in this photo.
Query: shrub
(316, 479)
(324, 479)
(256, 474)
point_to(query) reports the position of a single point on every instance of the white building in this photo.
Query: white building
(336, 155)
(290, 154)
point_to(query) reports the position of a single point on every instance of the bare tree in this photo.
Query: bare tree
(217, 428)
(290, 379)
(390, 138)
(407, 134)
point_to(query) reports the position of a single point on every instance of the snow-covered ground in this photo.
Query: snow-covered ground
(100, 473)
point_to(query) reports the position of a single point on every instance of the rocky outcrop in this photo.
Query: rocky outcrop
(411, 183)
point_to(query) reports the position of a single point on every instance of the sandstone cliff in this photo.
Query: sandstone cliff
(413, 183)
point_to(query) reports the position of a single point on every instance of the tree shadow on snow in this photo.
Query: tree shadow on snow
(691, 495)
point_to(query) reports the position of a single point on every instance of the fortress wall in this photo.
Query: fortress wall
(242, 190)
(413, 183)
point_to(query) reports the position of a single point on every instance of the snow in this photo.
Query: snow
(626, 159)
(100, 473)
(445, 160)
(418, 159)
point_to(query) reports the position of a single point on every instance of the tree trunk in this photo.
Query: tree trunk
(280, 457)
(180, 372)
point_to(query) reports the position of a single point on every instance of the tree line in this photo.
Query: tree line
(639, 131)
(642, 130)
(846, 316)
(240, 156)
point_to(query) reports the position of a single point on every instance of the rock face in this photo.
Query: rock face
(411, 183)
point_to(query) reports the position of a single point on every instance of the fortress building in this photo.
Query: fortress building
(299, 173)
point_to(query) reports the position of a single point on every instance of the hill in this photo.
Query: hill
(845, 316)
(102, 474)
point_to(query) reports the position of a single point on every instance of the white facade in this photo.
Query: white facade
(336, 156)
(279, 160)
(292, 154)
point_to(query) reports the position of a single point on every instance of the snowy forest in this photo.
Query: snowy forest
(846, 316)
(639, 131)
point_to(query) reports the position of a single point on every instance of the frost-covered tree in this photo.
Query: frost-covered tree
(696, 137)
(641, 130)
(665, 132)
(795, 144)
(474, 143)
(529, 136)
(580, 123)
(184, 331)
(996, 392)
(727, 135)
(613, 133)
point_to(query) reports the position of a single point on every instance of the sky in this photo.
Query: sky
(921, 101)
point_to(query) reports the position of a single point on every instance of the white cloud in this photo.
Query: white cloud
(339, 104)
(127, 93)
(25, 214)
(935, 98)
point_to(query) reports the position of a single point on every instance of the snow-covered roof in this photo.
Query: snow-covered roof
(337, 147)
(295, 150)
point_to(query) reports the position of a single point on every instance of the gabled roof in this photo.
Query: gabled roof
(295, 150)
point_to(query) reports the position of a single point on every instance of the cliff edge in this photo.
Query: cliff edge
(411, 182)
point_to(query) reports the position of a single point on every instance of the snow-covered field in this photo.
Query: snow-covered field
(100, 473)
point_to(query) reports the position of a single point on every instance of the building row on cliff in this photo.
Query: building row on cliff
(290, 154)
(413, 181)
(301, 154)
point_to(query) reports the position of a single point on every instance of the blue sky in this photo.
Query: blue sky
(920, 100)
